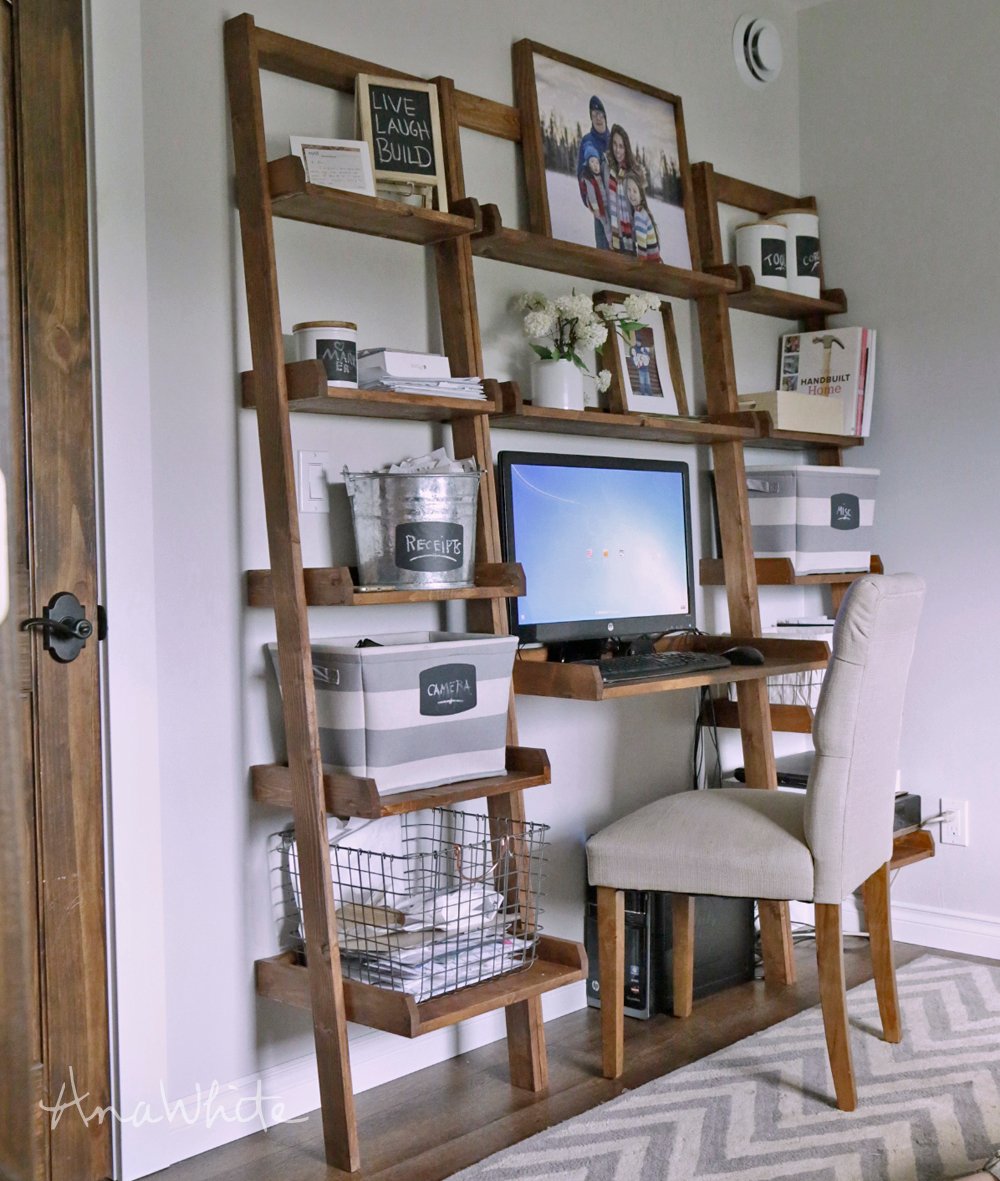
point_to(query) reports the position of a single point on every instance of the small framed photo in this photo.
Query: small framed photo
(605, 158)
(400, 122)
(645, 365)
(335, 163)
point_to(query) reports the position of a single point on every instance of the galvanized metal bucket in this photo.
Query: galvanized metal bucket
(414, 531)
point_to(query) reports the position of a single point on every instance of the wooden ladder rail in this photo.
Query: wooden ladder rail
(526, 1050)
(737, 552)
(295, 665)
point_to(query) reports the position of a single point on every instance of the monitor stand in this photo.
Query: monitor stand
(570, 651)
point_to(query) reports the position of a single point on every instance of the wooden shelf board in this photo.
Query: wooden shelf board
(911, 848)
(770, 436)
(787, 305)
(582, 682)
(352, 795)
(293, 197)
(779, 572)
(602, 424)
(309, 393)
(518, 415)
(559, 961)
(789, 719)
(525, 249)
(333, 586)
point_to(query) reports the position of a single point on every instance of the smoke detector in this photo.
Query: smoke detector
(757, 49)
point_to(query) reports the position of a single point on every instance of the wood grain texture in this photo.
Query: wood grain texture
(682, 928)
(532, 151)
(533, 249)
(780, 572)
(328, 67)
(762, 201)
(295, 198)
(21, 1148)
(51, 101)
(351, 795)
(298, 693)
(875, 893)
(285, 979)
(911, 848)
(833, 1000)
(787, 305)
(334, 586)
(611, 962)
(309, 393)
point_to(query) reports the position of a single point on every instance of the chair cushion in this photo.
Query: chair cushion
(736, 842)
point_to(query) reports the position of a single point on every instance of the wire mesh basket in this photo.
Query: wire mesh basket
(459, 904)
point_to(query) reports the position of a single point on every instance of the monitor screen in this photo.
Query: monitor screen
(605, 544)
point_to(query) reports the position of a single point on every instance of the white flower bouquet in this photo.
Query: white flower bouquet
(572, 324)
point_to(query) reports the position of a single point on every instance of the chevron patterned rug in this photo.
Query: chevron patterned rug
(763, 1109)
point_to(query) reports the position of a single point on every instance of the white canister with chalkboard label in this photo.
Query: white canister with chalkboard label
(335, 344)
(763, 247)
(803, 250)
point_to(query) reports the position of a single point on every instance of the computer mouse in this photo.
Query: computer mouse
(743, 654)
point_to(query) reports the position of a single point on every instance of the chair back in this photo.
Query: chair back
(850, 799)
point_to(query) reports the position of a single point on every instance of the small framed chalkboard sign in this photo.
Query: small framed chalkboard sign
(399, 121)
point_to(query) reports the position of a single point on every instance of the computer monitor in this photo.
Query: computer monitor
(605, 544)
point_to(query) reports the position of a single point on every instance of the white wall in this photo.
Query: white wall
(184, 509)
(900, 141)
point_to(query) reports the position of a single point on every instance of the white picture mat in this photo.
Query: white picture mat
(335, 163)
(635, 401)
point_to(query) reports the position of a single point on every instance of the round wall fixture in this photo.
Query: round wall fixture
(757, 49)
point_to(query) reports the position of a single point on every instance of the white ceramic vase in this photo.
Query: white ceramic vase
(557, 385)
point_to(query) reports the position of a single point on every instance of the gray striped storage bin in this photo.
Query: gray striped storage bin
(424, 709)
(820, 518)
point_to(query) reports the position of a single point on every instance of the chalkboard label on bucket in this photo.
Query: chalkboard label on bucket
(430, 545)
(400, 122)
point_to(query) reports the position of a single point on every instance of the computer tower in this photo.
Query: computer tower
(639, 929)
(723, 949)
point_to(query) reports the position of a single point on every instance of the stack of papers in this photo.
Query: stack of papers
(414, 373)
(451, 387)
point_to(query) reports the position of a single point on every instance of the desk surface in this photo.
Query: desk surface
(582, 682)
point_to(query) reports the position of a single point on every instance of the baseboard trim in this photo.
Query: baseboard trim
(229, 1111)
(925, 926)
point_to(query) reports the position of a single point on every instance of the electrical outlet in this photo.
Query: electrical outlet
(955, 832)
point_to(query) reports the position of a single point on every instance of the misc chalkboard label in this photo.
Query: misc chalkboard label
(447, 689)
(773, 256)
(845, 511)
(402, 130)
(430, 545)
(807, 254)
(340, 359)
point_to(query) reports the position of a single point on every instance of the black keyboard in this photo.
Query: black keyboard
(651, 666)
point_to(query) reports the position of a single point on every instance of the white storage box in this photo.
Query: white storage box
(820, 518)
(424, 708)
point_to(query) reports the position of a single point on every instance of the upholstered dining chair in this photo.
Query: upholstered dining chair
(816, 846)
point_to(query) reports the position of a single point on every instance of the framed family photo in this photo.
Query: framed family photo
(645, 364)
(605, 158)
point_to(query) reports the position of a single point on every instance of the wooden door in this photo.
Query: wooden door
(53, 997)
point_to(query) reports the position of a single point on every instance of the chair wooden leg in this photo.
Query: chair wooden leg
(833, 998)
(875, 892)
(611, 957)
(682, 916)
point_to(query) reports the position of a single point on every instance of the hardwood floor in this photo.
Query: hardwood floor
(430, 1125)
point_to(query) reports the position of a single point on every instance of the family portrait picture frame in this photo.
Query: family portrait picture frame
(605, 158)
(645, 365)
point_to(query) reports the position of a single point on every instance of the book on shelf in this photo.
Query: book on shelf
(838, 362)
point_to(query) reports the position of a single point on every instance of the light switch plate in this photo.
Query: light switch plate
(313, 490)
